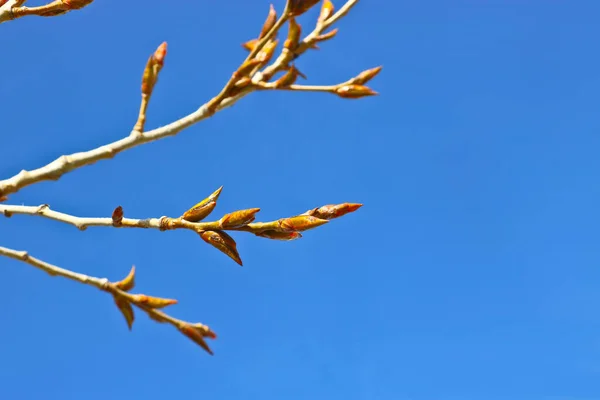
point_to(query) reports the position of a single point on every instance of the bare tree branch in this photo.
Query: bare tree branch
(123, 299)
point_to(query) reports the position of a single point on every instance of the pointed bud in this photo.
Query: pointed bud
(366, 76)
(266, 53)
(294, 33)
(300, 223)
(204, 330)
(237, 219)
(331, 211)
(289, 78)
(250, 44)
(76, 4)
(202, 209)
(247, 67)
(223, 242)
(128, 282)
(269, 23)
(326, 36)
(278, 235)
(160, 54)
(196, 336)
(298, 7)
(327, 10)
(148, 78)
(153, 302)
(354, 91)
(126, 309)
(117, 216)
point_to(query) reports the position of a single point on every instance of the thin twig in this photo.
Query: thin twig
(140, 301)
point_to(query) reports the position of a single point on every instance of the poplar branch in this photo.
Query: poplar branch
(145, 303)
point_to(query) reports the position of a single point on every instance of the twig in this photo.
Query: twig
(119, 290)
(66, 163)
(12, 8)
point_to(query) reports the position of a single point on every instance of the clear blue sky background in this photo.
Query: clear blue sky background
(471, 273)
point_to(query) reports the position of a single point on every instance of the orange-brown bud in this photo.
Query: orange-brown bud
(366, 76)
(326, 36)
(331, 211)
(266, 53)
(288, 78)
(298, 7)
(126, 309)
(149, 77)
(278, 235)
(247, 67)
(269, 23)
(223, 242)
(237, 219)
(300, 223)
(128, 282)
(117, 216)
(76, 4)
(160, 54)
(293, 37)
(327, 10)
(355, 91)
(250, 44)
(202, 209)
(153, 302)
(196, 335)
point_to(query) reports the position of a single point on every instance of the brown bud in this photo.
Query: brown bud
(327, 10)
(288, 78)
(126, 309)
(326, 36)
(153, 302)
(250, 44)
(128, 282)
(331, 211)
(237, 219)
(149, 77)
(294, 33)
(196, 335)
(298, 7)
(266, 53)
(160, 54)
(223, 242)
(278, 235)
(269, 23)
(247, 67)
(117, 216)
(205, 331)
(366, 76)
(76, 4)
(300, 223)
(202, 209)
(354, 91)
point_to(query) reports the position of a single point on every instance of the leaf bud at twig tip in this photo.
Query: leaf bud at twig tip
(327, 10)
(298, 7)
(269, 23)
(366, 76)
(238, 219)
(128, 282)
(278, 235)
(204, 208)
(117, 216)
(160, 54)
(76, 4)
(196, 335)
(331, 211)
(153, 302)
(354, 91)
(301, 223)
(223, 242)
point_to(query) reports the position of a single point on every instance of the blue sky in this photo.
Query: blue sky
(471, 273)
